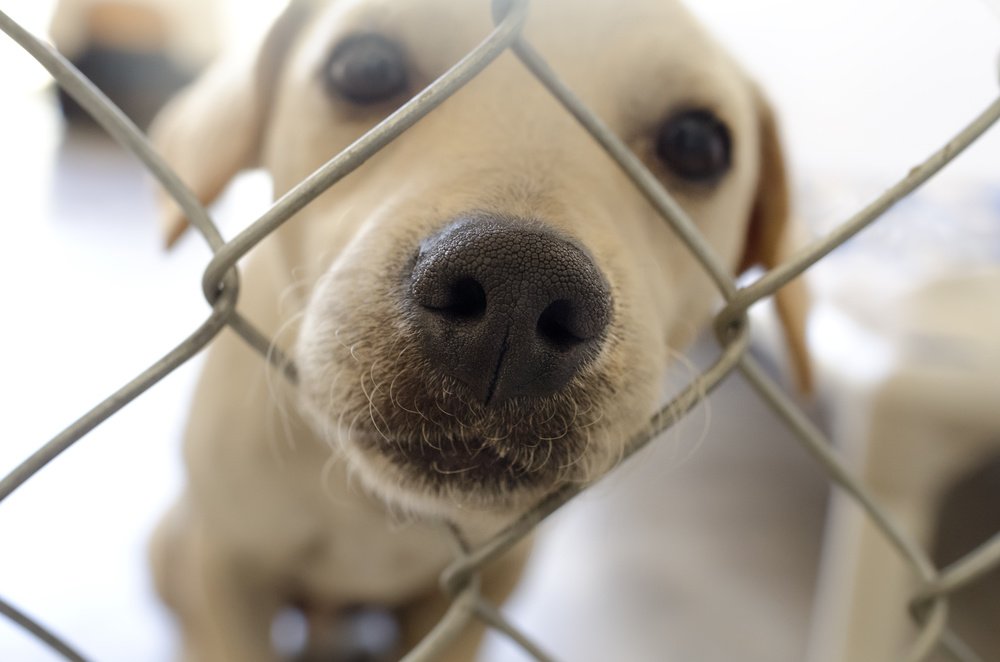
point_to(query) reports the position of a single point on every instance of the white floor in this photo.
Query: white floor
(90, 301)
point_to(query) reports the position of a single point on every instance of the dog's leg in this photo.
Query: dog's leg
(496, 583)
(224, 606)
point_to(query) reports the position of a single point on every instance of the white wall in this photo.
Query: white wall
(869, 86)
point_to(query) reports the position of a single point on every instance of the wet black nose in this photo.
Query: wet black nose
(507, 306)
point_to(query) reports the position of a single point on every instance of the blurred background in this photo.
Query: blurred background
(707, 549)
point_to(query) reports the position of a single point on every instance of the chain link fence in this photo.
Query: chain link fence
(221, 287)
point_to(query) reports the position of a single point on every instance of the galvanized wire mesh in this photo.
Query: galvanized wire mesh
(929, 606)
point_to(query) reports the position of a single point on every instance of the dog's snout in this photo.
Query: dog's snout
(508, 307)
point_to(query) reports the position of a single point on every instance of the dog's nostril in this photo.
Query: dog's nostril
(555, 325)
(466, 300)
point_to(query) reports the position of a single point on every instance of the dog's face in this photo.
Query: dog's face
(491, 303)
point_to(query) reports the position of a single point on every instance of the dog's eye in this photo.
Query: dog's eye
(695, 145)
(366, 68)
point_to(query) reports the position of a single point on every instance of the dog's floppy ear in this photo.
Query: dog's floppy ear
(772, 237)
(212, 130)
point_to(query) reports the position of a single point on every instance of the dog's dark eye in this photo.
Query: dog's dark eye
(695, 145)
(366, 68)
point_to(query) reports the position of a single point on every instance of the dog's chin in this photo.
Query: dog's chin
(422, 442)
(439, 476)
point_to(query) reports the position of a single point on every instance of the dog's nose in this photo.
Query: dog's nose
(508, 307)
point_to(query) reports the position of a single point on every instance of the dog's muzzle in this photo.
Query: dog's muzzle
(507, 307)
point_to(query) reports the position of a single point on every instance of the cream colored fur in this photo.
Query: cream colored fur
(281, 501)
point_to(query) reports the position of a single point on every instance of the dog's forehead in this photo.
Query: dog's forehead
(442, 16)
(643, 36)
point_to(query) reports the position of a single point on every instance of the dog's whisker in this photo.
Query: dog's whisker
(279, 395)
(399, 373)
(427, 440)
(572, 461)
(333, 402)
(544, 462)
(353, 350)
(441, 409)
(534, 444)
(703, 399)
(465, 445)
(328, 478)
(565, 432)
(373, 410)
(593, 422)
(551, 416)
(451, 472)
(503, 437)
(474, 454)
(350, 428)
(299, 284)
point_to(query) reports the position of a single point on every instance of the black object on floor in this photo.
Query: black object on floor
(138, 82)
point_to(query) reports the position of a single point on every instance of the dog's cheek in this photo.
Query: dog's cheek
(626, 386)
(645, 313)
(315, 369)
(640, 372)
(348, 324)
(317, 352)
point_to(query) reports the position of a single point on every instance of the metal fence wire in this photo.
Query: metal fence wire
(220, 284)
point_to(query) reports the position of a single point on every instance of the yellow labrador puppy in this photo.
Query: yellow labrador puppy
(482, 312)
